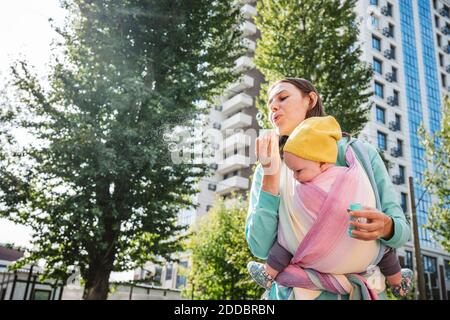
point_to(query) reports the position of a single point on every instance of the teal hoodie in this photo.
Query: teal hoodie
(262, 219)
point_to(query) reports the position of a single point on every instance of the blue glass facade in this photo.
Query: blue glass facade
(413, 96)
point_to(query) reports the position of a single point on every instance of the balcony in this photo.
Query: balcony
(388, 54)
(244, 63)
(387, 32)
(248, 29)
(394, 126)
(398, 179)
(396, 152)
(248, 11)
(446, 48)
(444, 12)
(239, 120)
(232, 184)
(447, 68)
(245, 82)
(386, 12)
(249, 44)
(235, 162)
(445, 30)
(212, 186)
(236, 103)
(391, 77)
(236, 141)
(392, 101)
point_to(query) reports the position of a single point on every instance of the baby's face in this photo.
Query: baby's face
(304, 170)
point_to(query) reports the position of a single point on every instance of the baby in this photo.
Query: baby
(308, 163)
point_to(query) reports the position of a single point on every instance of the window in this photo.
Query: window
(434, 4)
(375, 22)
(381, 114)
(376, 43)
(225, 176)
(441, 59)
(394, 74)
(431, 278)
(181, 280)
(447, 270)
(374, 2)
(392, 51)
(169, 272)
(398, 121)
(439, 39)
(404, 201)
(391, 29)
(379, 92)
(401, 172)
(409, 259)
(389, 9)
(377, 66)
(381, 140)
(400, 147)
(436, 21)
(396, 95)
(208, 207)
(235, 173)
(443, 80)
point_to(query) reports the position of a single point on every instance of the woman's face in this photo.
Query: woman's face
(287, 107)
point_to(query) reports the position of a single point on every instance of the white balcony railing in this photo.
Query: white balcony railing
(248, 11)
(236, 141)
(232, 184)
(236, 103)
(248, 29)
(244, 82)
(239, 120)
(235, 162)
(243, 63)
(249, 44)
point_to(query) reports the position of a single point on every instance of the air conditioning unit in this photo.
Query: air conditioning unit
(214, 166)
(445, 30)
(394, 126)
(385, 11)
(386, 32)
(395, 152)
(392, 101)
(212, 186)
(390, 76)
(397, 179)
(216, 125)
(388, 53)
(443, 12)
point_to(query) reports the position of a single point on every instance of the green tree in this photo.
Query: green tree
(436, 178)
(316, 40)
(98, 186)
(220, 255)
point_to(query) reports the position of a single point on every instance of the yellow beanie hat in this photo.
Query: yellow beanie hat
(315, 139)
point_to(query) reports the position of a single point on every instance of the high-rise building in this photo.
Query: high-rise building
(407, 42)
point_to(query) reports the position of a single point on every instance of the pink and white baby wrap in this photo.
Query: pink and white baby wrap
(313, 227)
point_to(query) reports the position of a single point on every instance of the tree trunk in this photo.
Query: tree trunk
(97, 284)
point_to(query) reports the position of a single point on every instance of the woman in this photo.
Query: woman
(292, 100)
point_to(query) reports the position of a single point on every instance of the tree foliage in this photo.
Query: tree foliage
(98, 186)
(315, 40)
(220, 255)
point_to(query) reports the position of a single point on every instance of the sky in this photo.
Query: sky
(25, 32)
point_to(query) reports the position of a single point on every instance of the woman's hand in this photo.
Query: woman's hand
(269, 156)
(378, 225)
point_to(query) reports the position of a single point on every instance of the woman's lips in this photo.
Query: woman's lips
(276, 118)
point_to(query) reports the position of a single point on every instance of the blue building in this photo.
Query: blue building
(408, 44)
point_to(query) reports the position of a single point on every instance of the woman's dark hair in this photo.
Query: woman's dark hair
(305, 88)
